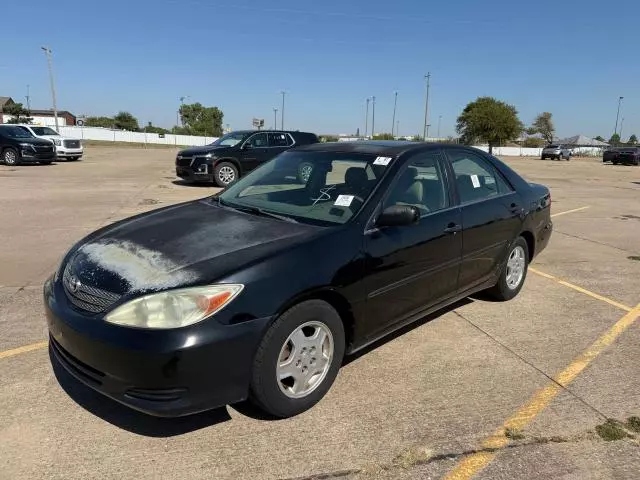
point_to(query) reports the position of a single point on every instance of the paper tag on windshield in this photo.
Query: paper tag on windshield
(344, 200)
(476, 181)
(382, 161)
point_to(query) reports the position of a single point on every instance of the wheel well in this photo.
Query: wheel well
(338, 302)
(531, 243)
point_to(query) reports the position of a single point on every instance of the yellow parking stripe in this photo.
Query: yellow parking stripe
(474, 463)
(619, 305)
(24, 349)
(569, 211)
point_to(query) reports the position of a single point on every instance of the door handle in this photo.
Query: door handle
(453, 228)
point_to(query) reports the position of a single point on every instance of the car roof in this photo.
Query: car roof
(293, 132)
(388, 148)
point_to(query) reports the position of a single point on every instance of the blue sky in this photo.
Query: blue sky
(572, 58)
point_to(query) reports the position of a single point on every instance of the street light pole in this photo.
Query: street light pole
(398, 128)
(425, 130)
(48, 53)
(282, 111)
(373, 116)
(621, 123)
(366, 119)
(617, 115)
(439, 121)
(395, 103)
(275, 118)
(28, 97)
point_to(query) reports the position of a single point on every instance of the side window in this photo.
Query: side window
(421, 184)
(259, 140)
(279, 140)
(476, 178)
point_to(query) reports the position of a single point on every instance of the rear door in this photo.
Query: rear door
(492, 215)
(411, 268)
(255, 151)
(279, 142)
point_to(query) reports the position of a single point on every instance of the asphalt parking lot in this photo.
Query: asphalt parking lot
(483, 390)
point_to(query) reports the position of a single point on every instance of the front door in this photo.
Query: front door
(492, 216)
(411, 268)
(255, 151)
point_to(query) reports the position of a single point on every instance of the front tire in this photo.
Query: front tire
(513, 273)
(10, 157)
(298, 359)
(224, 174)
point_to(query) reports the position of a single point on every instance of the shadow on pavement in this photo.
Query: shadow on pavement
(128, 419)
(183, 183)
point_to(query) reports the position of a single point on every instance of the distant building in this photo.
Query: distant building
(40, 117)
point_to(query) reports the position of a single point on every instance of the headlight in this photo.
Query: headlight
(57, 142)
(174, 308)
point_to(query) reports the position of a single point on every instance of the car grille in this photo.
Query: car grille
(184, 161)
(84, 297)
(44, 148)
(72, 143)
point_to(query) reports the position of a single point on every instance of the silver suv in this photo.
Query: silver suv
(557, 152)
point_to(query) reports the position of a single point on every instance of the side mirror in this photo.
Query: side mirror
(398, 215)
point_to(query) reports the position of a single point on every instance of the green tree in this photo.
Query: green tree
(543, 124)
(18, 112)
(599, 138)
(153, 129)
(633, 140)
(383, 136)
(328, 138)
(105, 122)
(201, 120)
(126, 121)
(488, 120)
(615, 139)
(533, 142)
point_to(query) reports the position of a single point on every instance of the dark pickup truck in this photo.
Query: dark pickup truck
(233, 155)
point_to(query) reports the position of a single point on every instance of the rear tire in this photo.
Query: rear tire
(11, 157)
(290, 372)
(514, 272)
(224, 174)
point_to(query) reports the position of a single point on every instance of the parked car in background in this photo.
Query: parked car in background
(260, 291)
(627, 156)
(610, 154)
(236, 153)
(557, 152)
(18, 145)
(67, 148)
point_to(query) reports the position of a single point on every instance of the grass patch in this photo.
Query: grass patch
(412, 456)
(513, 434)
(611, 430)
(637, 259)
(633, 424)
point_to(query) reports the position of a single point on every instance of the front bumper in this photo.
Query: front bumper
(69, 152)
(165, 373)
(29, 156)
(198, 173)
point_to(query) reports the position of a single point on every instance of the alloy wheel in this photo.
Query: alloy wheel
(226, 175)
(515, 267)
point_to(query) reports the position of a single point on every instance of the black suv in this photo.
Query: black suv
(236, 153)
(19, 146)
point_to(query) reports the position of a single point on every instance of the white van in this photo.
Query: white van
(67, 148)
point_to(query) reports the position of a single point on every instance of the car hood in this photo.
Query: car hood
(36, 141)
(189, 244)
(190, 152)
(57, 137)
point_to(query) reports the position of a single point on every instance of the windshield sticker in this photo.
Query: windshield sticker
(382, 161)
(476, 181)
(324, 195)
(344, 200)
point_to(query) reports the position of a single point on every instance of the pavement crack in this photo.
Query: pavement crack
(532, 365)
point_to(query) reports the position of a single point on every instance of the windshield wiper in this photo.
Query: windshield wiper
(256, 210)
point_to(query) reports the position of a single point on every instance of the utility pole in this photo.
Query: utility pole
(28, 97)
(366, 119)
(425, 130)
(617, 115)
(395, 104)
(282, 111)
(621, 123)
(398, 128)
(275, 118)
(439, 121)
(373, 116)
(47, 52)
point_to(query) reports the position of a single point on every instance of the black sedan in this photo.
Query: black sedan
(260, 291)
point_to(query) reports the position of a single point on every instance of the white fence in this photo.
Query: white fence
(108, 135)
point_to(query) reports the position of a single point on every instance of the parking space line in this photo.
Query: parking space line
(569, 211)
(619, 305)
(24, 349)
(474, 463)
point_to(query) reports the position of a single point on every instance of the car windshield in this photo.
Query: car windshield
(230, 139)
(552, 146)
(44, 131)
(16, 132)
(321, 188)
